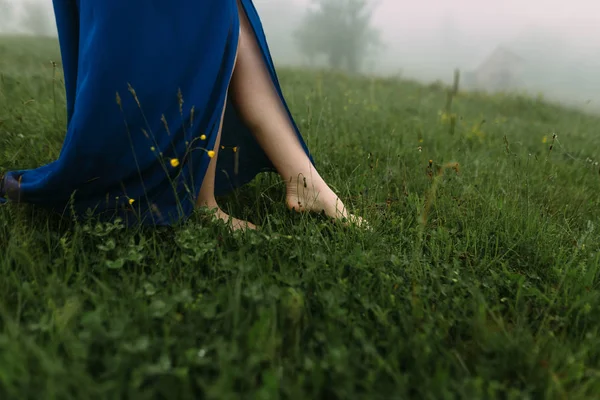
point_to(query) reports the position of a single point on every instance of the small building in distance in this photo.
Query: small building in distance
(501, 71)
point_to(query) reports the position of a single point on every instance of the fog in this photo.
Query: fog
(556, 41)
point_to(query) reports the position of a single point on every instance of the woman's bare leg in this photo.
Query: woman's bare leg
(206, 196)
(263, 112)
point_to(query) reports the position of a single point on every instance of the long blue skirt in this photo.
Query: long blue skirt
(146, 82)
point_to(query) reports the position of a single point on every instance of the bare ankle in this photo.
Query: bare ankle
(209, 203)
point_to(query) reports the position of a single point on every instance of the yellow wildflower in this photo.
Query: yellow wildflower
(211, 153)
(203, 137)
(174, 162)
(235, 149)
(131, 201)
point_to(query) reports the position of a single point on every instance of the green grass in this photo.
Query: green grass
(492, 293)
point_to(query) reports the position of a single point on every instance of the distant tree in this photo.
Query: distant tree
(341, 30)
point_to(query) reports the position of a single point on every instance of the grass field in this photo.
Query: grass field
(480, 280)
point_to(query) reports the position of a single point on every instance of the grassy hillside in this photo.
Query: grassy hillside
(479, 281)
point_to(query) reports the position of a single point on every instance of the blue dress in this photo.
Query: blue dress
(146, 82)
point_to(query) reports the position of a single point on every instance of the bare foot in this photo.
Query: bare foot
(235, 224)
(314, 195)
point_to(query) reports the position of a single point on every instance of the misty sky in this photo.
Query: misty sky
(427, 39)
(578, 20)
(573, 16)
(480, 13)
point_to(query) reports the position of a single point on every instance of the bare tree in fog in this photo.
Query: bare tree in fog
(341, 30)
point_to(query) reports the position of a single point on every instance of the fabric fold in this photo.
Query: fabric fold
(145, 83)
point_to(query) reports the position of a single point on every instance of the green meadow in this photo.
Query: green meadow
(479, 280)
